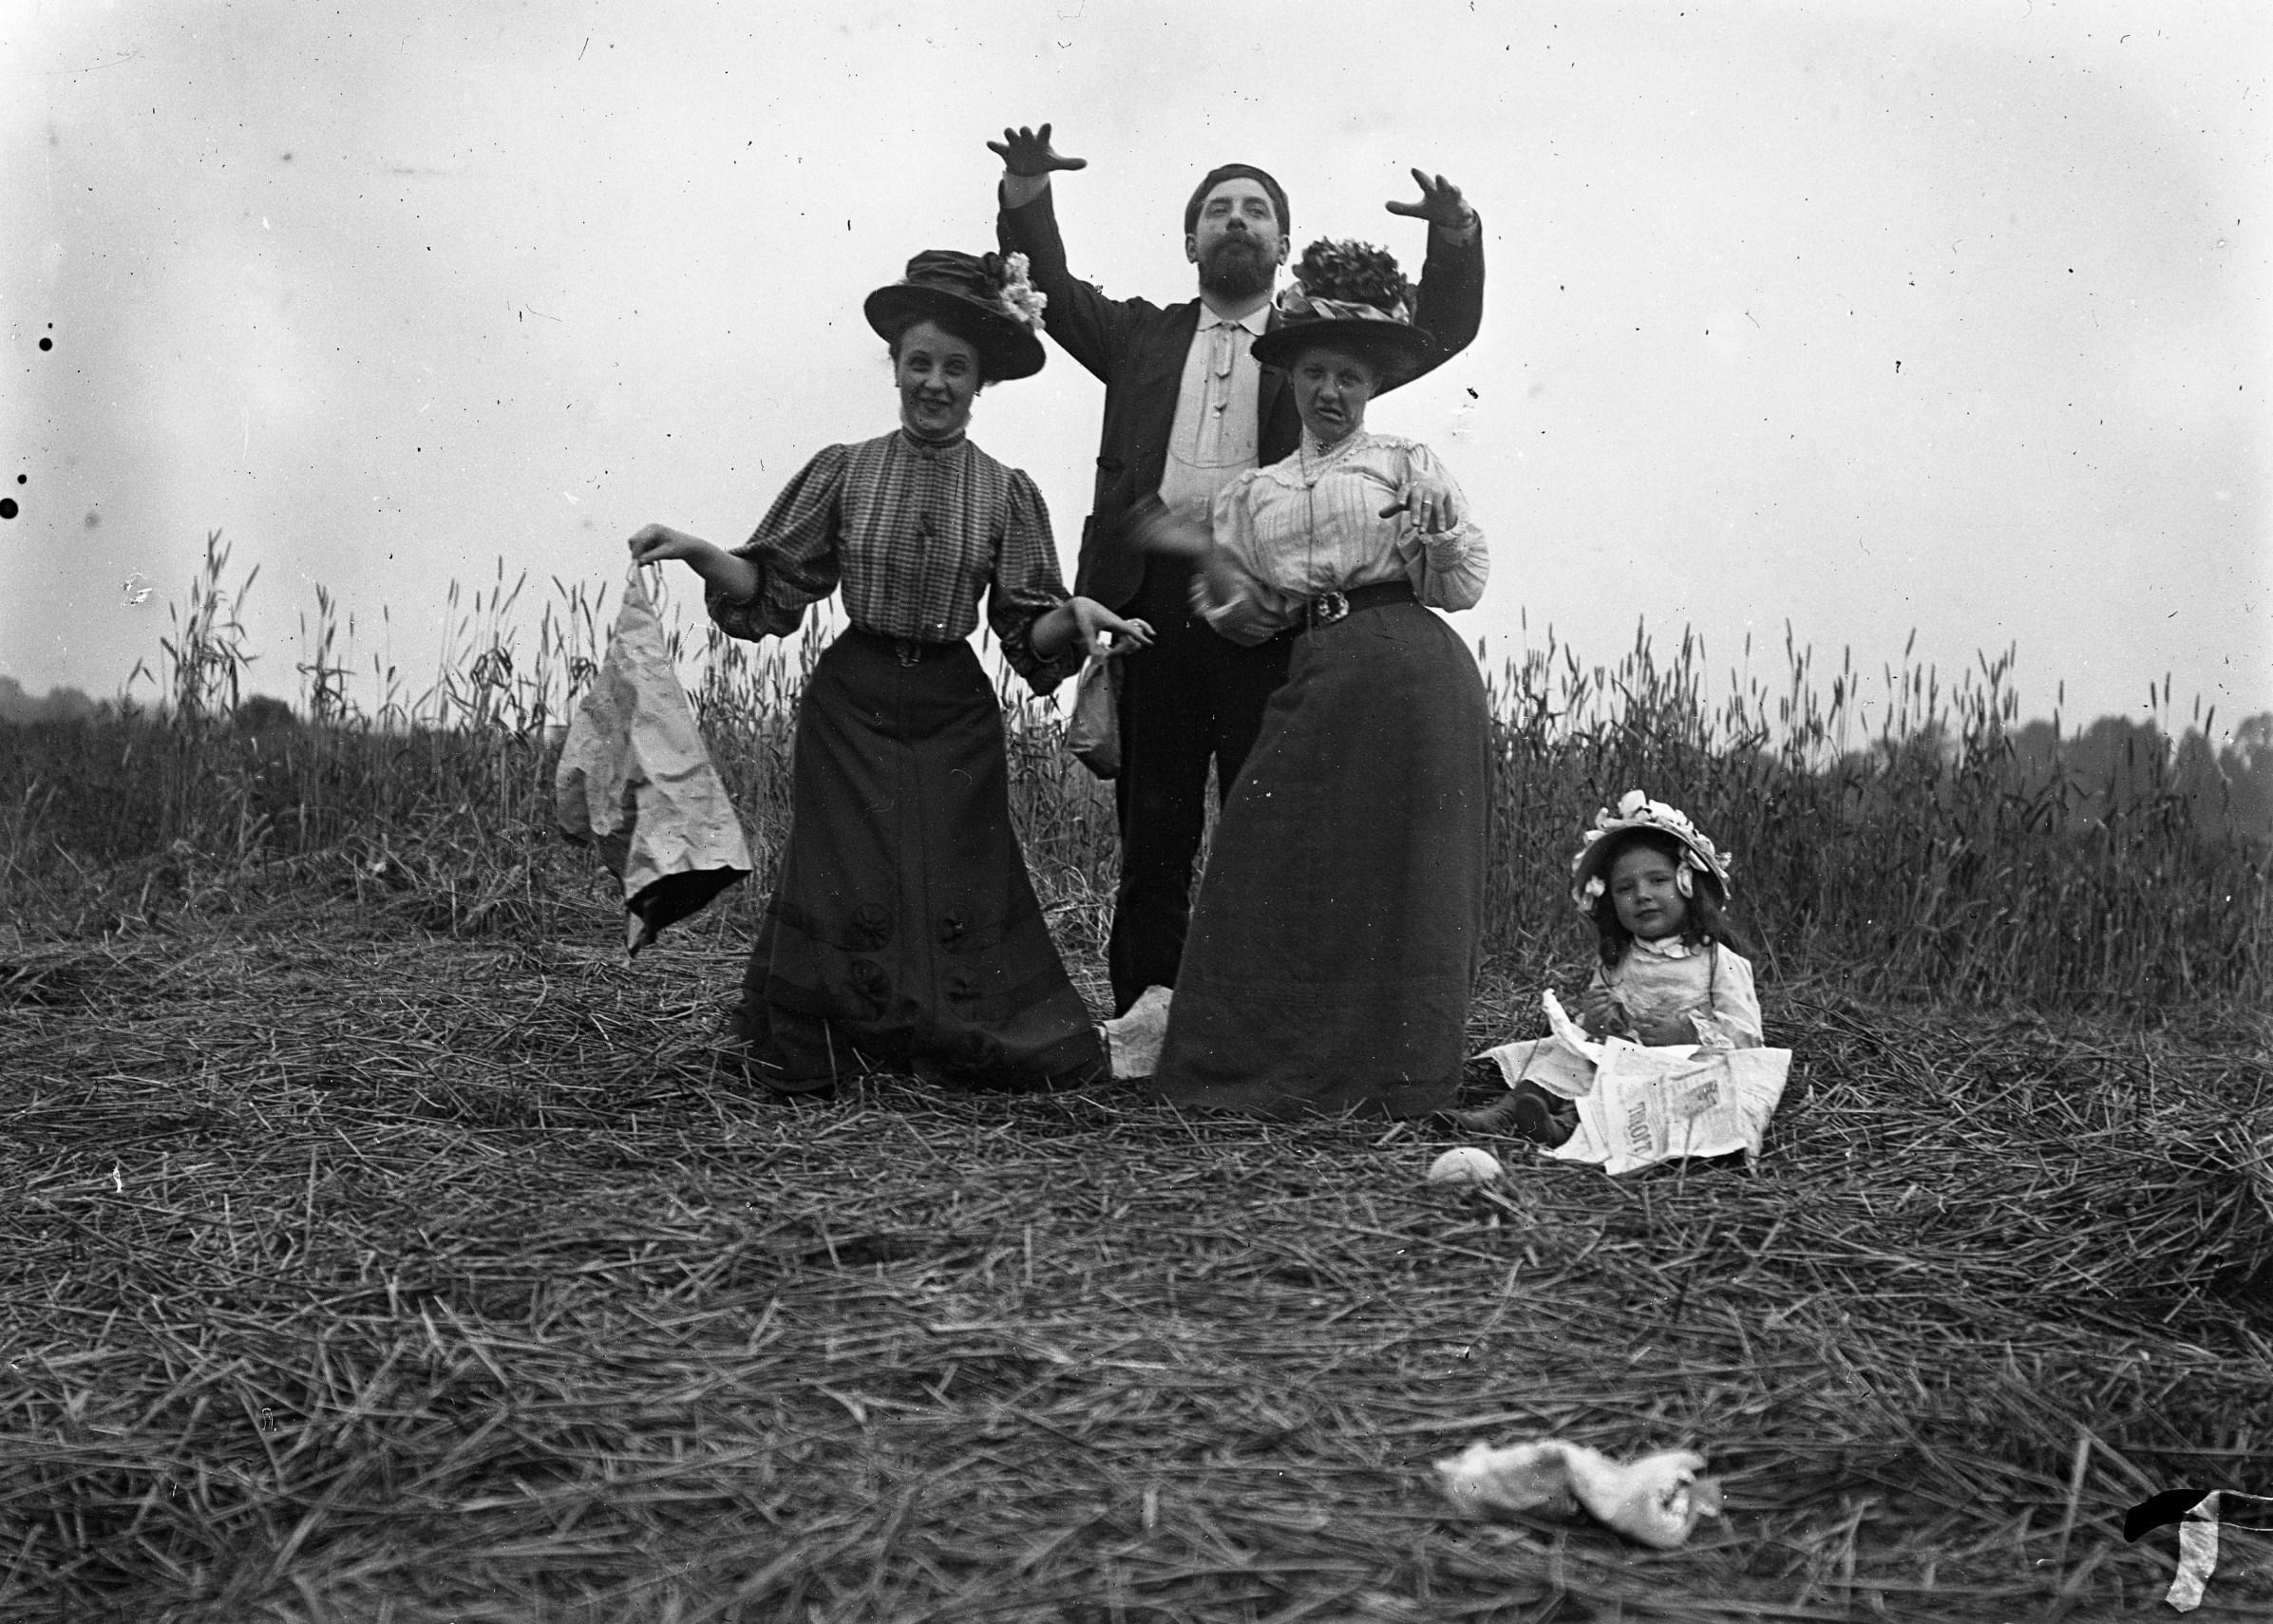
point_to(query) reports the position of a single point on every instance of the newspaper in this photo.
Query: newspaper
(1640, 1105)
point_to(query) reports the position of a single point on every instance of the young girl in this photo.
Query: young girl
(1654, 888)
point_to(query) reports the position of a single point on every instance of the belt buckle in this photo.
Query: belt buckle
(909, 650)
(1328, 606)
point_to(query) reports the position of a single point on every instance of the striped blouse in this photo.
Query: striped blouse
(1311, 523)
(914, 533)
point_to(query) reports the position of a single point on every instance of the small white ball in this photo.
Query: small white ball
(1466, 1166)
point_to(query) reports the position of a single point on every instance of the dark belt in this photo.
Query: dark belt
(1325, 608)
(909, 650)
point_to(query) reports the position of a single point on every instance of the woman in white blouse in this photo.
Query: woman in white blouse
(1334, 940)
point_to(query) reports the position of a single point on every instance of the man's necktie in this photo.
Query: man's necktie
(1218, 361)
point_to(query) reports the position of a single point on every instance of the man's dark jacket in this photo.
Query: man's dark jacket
(1138, 349)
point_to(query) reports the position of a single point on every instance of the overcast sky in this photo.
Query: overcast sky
(1936, 315)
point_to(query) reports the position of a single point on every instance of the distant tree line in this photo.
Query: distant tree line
(59, 705)
(2116, 762)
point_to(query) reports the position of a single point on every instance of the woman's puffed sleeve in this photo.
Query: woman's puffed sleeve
(1252, 612)
(1026, 586)
(1735, 1017)
(794, 550)
(1447, 569)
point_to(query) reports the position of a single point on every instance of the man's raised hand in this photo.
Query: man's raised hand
(1440, 205)
(1027, 152)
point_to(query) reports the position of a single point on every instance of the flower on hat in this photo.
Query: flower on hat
(1020, 298)
(1636, 810)
(991, 288)
(1347, 280)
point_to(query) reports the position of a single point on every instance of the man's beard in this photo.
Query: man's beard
(1236, 268)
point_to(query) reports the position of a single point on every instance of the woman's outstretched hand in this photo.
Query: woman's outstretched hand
(1431, 503)
(1027, 152)
(1086, 623)
(1104, 632)
(659, 543)
(721, 572)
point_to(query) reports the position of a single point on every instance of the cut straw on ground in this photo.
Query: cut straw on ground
(359, 1272)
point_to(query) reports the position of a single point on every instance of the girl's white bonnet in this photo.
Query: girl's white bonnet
(1637, 811)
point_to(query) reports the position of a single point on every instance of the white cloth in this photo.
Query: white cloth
(636, 780)
(1311, 523)
(1213, 437)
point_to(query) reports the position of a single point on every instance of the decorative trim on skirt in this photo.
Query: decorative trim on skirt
(1335, 941)
(905, 931)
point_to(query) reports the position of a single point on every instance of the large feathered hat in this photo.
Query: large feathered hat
(986, 297)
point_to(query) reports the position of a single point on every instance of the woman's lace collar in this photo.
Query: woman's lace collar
(1315, 454)
(1312, 461)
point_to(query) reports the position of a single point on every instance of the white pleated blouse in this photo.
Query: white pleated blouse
(1311, 523)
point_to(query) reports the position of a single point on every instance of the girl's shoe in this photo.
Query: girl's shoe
(1525, 1109)
(1493, 1118)
(1543, 1118)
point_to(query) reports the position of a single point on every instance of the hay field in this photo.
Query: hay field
(383, 1245)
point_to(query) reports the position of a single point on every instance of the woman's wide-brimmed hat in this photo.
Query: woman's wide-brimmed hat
(1352, 295)
(1637, 811)
(985, 297)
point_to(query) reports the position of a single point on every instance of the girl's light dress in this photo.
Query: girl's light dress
(1712, 984)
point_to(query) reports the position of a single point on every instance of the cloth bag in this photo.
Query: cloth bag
(636, 781)
(1093, 730)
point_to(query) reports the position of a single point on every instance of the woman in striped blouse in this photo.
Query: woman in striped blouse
(903, 932)
(1334, 940)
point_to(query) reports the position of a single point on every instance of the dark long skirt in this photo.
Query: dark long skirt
(1335, 941)
(904, 932)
